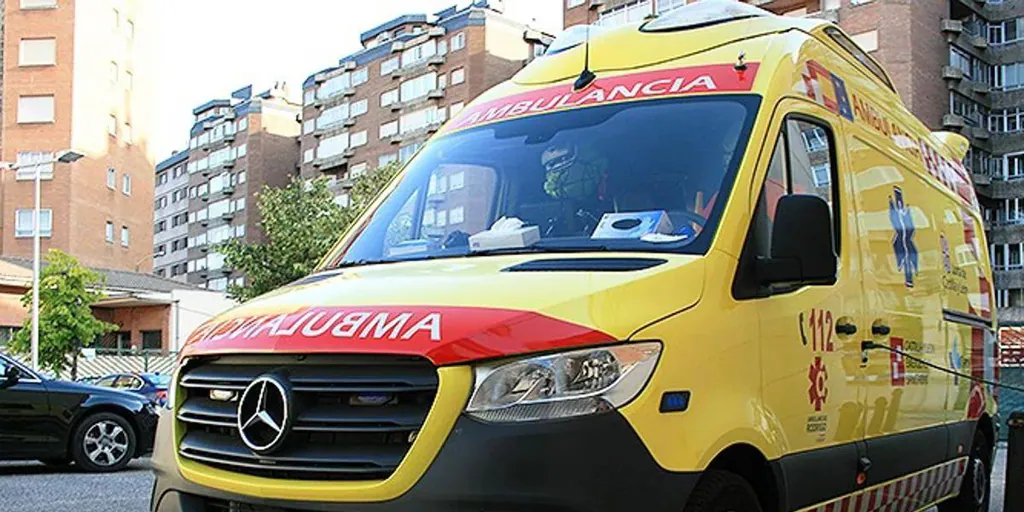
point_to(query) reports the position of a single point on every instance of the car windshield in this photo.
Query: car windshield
(636, 176)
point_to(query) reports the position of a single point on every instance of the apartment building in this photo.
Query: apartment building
(170, 226)
(78, 75)
(237, 146)
(379, 104)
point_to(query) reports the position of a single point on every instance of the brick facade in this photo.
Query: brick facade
(81, 202)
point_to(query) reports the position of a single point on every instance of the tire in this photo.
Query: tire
(103, 442)
(722, 491)
(976, 488)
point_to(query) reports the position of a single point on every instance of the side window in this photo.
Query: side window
(106, 382)
(802, 163)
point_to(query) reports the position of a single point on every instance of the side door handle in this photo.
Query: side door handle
(846, 328)
(880, 330)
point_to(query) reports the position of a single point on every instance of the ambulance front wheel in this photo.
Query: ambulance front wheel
(975, 489)
(722, 491)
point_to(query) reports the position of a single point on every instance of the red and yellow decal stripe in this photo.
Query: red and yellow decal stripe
(908, 494)
(444, 335)
(611, 89)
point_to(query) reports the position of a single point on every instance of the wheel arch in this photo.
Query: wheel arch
(748, 462)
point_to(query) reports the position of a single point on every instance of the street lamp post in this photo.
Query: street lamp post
(66, 156)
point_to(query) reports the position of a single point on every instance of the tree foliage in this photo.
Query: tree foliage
(67, 290)
(301, 222)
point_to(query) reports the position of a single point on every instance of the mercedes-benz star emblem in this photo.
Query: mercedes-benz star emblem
(264, 413)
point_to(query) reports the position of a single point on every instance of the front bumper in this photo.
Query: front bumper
(593, 464)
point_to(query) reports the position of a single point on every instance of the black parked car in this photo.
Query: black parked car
(59, 422)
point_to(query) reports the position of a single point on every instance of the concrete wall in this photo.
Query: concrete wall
(192, 308)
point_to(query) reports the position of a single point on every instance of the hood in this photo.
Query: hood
(81, 387)
(457, 310)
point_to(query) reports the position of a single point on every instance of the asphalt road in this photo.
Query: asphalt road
(38, 488)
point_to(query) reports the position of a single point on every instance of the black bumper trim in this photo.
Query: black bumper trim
(592, 464)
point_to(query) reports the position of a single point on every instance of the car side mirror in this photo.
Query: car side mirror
(11, 377)
(802, 249)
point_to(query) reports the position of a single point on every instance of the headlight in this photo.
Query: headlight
(562, 385)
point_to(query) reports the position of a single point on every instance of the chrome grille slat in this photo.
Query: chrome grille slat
(355, 416)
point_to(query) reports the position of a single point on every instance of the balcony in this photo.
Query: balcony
(227, 216)
(332, 129)
(981, 179)
(335, 98)
(830, 15)
(980, 88)
(229, 137)
(1010, 315)
(953, 122)
(596, 4)
(229, 115)
(228, 190)
(954, 27)
(333, 164)
(435, 32)
(952, 73)
(1009, 275)
(979, 42)
(418, 67)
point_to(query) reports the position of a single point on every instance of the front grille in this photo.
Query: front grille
(355, 417)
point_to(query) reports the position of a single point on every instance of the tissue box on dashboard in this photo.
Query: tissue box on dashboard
(632, 224)
(504, 239)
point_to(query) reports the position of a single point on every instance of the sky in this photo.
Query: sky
(212, 47)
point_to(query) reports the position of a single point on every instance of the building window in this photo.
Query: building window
(569, 4)
(417, 87)
(112, 125)
(30, 162)
(388, 129)
(38, 4)
(126, 185)
(458, 41)
(161, 179)
(127, 135)
(868, 41)
(387, 66)
(406, 152)
(357, 170)
(309, 126)
(308, 96)
(360, 76)
(420, 119)
(37, 52)
(124, 236)
(669, 5)
(455, 108)
(626, 13)
(35, 109)
(388, 97)
(110, 231)
(159, 272)
(357, 139)
(332, 146)
(23, 223)
(458, 76)
(308, 155)
(386, 160)
(111, 178)
(152, 340)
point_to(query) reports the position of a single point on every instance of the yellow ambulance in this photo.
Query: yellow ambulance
(706, 262)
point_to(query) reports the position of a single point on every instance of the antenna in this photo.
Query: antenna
(586, 76)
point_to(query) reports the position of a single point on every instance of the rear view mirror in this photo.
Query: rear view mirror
(11, 376)
(802, 248)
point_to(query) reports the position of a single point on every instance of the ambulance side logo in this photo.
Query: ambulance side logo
(903, 244)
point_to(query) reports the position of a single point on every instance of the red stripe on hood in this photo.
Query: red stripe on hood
(444, 335)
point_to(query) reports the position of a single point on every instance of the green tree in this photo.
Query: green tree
(301, 222)
(67, 290)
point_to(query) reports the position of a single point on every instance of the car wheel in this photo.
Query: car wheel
(975, 489)
(722, 491)
(103, 442)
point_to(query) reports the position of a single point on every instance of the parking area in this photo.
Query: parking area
(68, 490)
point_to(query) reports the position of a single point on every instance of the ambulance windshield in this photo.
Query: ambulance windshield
(635, 176)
